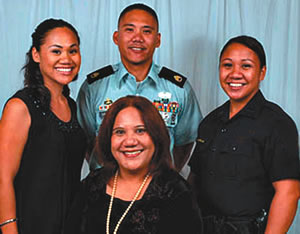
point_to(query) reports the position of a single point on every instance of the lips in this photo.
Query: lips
(235, 85)
(137, 48)
(132, 153)
(64, 69)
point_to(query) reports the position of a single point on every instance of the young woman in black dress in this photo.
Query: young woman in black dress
(41, 143)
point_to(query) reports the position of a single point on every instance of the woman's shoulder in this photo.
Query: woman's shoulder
(170, 184)
(94, 183)
(18, 103)
(22, 94)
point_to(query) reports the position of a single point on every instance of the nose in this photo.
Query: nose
(236, 72)
(65, 57)
(130, 140)
(138, 36)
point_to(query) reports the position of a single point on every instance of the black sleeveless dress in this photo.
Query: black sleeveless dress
(50, 168)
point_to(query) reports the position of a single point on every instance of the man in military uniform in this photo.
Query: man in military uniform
(137, 38)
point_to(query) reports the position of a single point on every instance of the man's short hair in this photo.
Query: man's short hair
(138, 6)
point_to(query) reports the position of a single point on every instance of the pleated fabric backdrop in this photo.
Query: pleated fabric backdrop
(193, 32)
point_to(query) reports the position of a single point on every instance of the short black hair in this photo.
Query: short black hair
(251, 43)
(139, 6)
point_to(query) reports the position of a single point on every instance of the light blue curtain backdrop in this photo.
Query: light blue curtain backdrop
(193, 32)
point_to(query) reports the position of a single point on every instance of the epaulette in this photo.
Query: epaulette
(172, 76)
(100, 73)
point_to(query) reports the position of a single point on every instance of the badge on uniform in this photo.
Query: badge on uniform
(167, 109)
(103, 108)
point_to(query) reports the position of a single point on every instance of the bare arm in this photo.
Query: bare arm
(14, 127)
(284, 206)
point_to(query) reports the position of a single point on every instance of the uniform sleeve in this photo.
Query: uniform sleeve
(189, 118)
(281, 156)
(86, 112)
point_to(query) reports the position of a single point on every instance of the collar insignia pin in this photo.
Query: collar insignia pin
(201, 140)
(95, 74)
(178, 78)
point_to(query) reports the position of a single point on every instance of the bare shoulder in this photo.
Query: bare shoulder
(15, 112)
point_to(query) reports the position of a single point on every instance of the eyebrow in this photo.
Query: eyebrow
(142, 125)
(132, 25)
(59, 46)
(242, 60)
(248, 60)
(137, 126)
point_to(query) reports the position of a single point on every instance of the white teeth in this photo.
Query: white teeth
(139, 49)
(235, 85)
(134, 152)
(63, 69)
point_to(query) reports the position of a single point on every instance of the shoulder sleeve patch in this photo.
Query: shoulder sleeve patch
(172, 76)
(100, 73)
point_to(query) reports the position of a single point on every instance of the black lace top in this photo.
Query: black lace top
(50, 168)
(167, 206)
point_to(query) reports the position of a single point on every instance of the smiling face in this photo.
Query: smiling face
(240, 73)
(137, 37)
(131, 145)
(59, 57)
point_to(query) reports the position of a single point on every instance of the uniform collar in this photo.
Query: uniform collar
(252, 109)
(122, 73)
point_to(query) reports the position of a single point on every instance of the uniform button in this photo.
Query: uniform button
(223, 130)
(213, 149)
(211, 173)
(234, 148)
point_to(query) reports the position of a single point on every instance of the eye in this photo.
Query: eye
(246, 66)
(74, 51)
(118, 132)
(128, 29)
(227, 65)
(55, 51)
(141, 130)
(147, 31)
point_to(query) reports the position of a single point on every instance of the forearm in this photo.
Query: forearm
(282, 212)
(7, 207)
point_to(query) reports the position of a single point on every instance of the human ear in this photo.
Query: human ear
(158, 40)
(115, 37)
(35, 55)
(263, 73)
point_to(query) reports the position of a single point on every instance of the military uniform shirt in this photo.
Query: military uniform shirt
(176, 103)
(236, 160)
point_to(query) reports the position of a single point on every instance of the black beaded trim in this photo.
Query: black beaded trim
(71, 126)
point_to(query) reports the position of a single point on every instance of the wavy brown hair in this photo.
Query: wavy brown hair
(154, 125)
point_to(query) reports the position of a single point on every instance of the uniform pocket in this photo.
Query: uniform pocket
(236, 161)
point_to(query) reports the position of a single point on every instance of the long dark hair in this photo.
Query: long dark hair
(155, 126)
(32, 75)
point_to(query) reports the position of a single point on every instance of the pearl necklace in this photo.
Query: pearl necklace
(129, 206)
